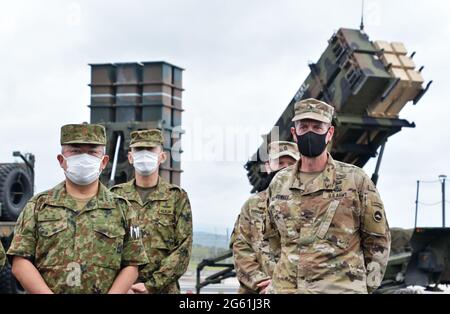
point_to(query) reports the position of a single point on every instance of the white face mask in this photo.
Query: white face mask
(83, 169)
(145, 162)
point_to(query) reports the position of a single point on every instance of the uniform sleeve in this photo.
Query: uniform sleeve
(176, 263)
(133, 249)
(234, 233)
(375, 234)
(25, 234)
(248, 270)
(2, 256)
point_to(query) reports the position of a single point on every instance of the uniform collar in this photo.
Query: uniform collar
(58, 196)
(324, 181)
(105, 198)
(162, 191)
(129, 189)
(159, 194)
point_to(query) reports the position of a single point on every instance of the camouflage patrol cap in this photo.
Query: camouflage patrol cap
(281, 148)
(83, 134)
(313, 109)
(146, 138)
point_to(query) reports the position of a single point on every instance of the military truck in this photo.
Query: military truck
(16, 188)
(368, 83)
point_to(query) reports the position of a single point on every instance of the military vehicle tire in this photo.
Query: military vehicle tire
(16, 188)
(8, 283)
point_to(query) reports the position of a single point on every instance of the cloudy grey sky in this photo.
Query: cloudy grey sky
(244, 61)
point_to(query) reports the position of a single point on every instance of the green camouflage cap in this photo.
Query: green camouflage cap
(313, 109)
(83, 134)
(281, 148)
(146, 138)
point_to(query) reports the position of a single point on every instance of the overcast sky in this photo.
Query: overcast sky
(244, 62)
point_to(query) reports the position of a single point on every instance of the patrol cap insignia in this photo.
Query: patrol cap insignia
(377, 216)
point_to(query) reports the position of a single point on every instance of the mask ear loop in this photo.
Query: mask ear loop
(64, 159)
(270, 168)
(326, 137)
(101, 162)
(132, 156)
(160, 158)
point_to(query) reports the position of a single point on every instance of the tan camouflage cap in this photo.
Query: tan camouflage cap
(313, 109)
(146, 138)
(83, 134)
(279, 149)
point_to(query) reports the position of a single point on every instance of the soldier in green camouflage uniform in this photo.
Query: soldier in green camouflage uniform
(2, 256)
(255, 240)
(66, 243)
(164, 215)
(334, 233)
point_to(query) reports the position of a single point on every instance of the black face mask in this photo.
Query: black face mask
(311, 144)
(266, 181)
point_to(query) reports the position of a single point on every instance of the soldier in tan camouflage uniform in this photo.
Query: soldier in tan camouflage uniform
(164, 215)
(2, 256)
(255, 241)
(78, 237)
(334, 233)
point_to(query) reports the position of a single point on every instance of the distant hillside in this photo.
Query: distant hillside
(212, 240)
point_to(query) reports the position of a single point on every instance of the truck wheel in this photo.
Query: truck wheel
(8, 283)
(16, 188)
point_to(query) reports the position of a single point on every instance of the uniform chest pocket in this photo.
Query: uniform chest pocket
(339, 223)
(164, 215)
(108, 245)
(50, 223)
(336, 238)
(109, 232)
(166, 207)
(163, 221)
(51, 228)
(52, 241)
(286, 222)
(162, 232)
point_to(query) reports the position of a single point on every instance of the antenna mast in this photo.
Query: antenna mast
(361, 27)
